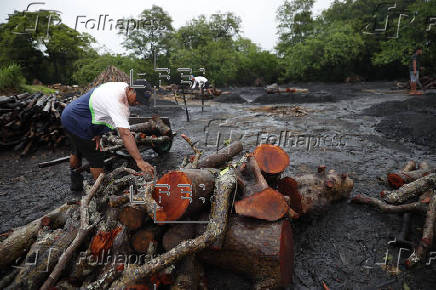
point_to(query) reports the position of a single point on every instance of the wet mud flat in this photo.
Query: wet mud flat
(344, 247)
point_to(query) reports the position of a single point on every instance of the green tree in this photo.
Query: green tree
(153, 34)
(295, 23)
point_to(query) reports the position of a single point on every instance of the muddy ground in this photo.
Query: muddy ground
(363, 129)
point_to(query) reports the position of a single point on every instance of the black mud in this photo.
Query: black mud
(413, 120)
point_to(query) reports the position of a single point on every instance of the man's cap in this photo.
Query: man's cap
(143, 93)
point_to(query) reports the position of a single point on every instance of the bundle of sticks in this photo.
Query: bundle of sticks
(132, 232)
(413, 191)
(29, 120)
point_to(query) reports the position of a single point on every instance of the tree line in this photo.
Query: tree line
(368, 39)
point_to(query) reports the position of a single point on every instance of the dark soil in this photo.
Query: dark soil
(343, 247)
(413, 120)
(230, 98)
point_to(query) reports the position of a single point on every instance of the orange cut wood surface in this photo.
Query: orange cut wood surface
(271, 159)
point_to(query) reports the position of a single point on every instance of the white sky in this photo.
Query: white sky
(258, 17)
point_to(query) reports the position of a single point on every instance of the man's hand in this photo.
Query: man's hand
(145, 167)
(97, 143)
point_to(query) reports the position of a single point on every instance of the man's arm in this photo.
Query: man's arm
(414, 66)
(195, 83)
(130, 144)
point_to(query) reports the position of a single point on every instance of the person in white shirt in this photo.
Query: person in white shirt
(95, 113)
(202, 82)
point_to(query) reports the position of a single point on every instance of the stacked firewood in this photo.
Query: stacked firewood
(132, 232)
(413, 191)
(30, 120)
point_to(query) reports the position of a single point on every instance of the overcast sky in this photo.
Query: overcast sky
(258, 17)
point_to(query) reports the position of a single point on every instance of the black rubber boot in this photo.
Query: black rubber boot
(76, 181)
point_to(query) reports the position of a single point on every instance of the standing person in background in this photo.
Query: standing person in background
(415, 66)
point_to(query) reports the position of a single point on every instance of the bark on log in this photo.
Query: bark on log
(183, 192)
(46, 254)
(259, 250)
(426, 242)
(224, 186)
(190, 272)
(419, 207)
(250, 178)
(398, 179)
(220, 158)
(23, 237)
(311, 192)
(410, 190)
(83, 231)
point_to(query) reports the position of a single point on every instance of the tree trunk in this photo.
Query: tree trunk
(259, 250)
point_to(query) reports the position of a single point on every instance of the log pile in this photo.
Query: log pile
(110, 74)
(124, 235)
(30, 120)
(414, 190)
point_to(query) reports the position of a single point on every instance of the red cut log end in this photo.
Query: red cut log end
(289, 187)
(271, 159)
(132, 218)
(267, 205)
(395, 180)
(173, 205)
(286, 254)
(103, 241)
(45, 221)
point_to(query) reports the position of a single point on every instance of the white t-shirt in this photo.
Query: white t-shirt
(109, 106)
(200, 81)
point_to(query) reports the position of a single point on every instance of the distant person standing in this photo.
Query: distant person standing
(415, 66)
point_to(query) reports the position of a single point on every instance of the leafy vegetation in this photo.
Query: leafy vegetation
(11, 77)
(344, 40)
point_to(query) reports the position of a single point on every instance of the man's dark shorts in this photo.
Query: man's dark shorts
(86, 148)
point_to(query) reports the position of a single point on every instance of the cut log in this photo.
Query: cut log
(426, 242)
(132, 217)
(216, 227)
(311, 192)
(177, 234)
(221, 157)
(259, 200)
(47, 253)
(141, 240)
(271, 159)
(267, 205)
(20, 240)
(259, 250)
(183, 192)
(250, 178)
(398, 179)
(410, 190)
(82, 233)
